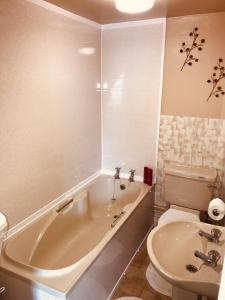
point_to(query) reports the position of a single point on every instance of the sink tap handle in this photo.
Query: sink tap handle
(211, 259)
(214, 256)
(216, 233)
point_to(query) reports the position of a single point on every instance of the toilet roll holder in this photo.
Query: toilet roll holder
(216, 212)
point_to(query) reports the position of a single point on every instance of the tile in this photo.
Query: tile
(134, 282)
(133, 286)
(193, 141)
(152, 295)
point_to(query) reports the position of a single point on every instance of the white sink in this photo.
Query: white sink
(171, 248)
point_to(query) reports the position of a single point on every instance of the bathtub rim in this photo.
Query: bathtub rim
(59, 200)
(72, 278)
(64, 270)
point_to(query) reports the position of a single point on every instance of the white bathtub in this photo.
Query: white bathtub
(59, 247)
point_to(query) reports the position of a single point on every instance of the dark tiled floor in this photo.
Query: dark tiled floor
(134, 282)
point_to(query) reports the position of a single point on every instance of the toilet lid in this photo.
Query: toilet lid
(176, 215)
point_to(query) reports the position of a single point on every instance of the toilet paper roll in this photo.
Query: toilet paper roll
(216, 209)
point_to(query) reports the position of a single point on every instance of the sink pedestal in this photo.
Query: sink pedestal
(178, 294)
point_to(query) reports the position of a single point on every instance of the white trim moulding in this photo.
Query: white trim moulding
(160, 93)
(133, 23)
(65, 13)
(212, 14)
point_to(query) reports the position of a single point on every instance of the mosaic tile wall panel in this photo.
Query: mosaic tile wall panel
(192, 141)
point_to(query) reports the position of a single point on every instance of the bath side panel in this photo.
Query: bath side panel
(17, 288)
(102, 276)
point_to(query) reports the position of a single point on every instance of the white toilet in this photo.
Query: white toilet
(188, 190)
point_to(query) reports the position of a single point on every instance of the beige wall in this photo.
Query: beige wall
(50, 131)
(185, 93)
(191, 129)
(49, 107)
(132, 70)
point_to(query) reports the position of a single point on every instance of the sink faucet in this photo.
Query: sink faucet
(131, 178)
(213, 237)
(117, 174)
(211, 259)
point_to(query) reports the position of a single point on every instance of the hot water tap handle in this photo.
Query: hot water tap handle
(131, 178)
(117, 174)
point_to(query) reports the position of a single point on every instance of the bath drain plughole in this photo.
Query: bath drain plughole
(192, 268)
(122, 187)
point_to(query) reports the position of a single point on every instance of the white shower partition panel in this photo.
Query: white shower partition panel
(132, 74)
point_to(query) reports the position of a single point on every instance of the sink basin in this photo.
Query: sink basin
(171, 248)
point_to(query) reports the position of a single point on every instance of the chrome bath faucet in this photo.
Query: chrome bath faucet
(117, 174)
(131, 178)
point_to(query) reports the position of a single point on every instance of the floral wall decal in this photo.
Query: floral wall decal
(188, 50)
(217, 76)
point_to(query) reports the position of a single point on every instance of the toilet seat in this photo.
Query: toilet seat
(173, 214)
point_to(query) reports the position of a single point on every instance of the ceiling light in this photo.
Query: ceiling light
(134, 6)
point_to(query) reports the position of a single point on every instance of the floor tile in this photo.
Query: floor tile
(134, 282)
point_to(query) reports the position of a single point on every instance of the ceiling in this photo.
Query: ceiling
(104, 11)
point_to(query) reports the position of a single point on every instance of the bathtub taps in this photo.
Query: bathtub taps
(117, 174)
(211, 259)
(213, 237)
(131, 178)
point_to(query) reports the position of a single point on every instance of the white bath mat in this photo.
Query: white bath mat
(158, 283)
(128, 298)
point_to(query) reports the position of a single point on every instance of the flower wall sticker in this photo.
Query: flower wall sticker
(217, 76)
(188, 50)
